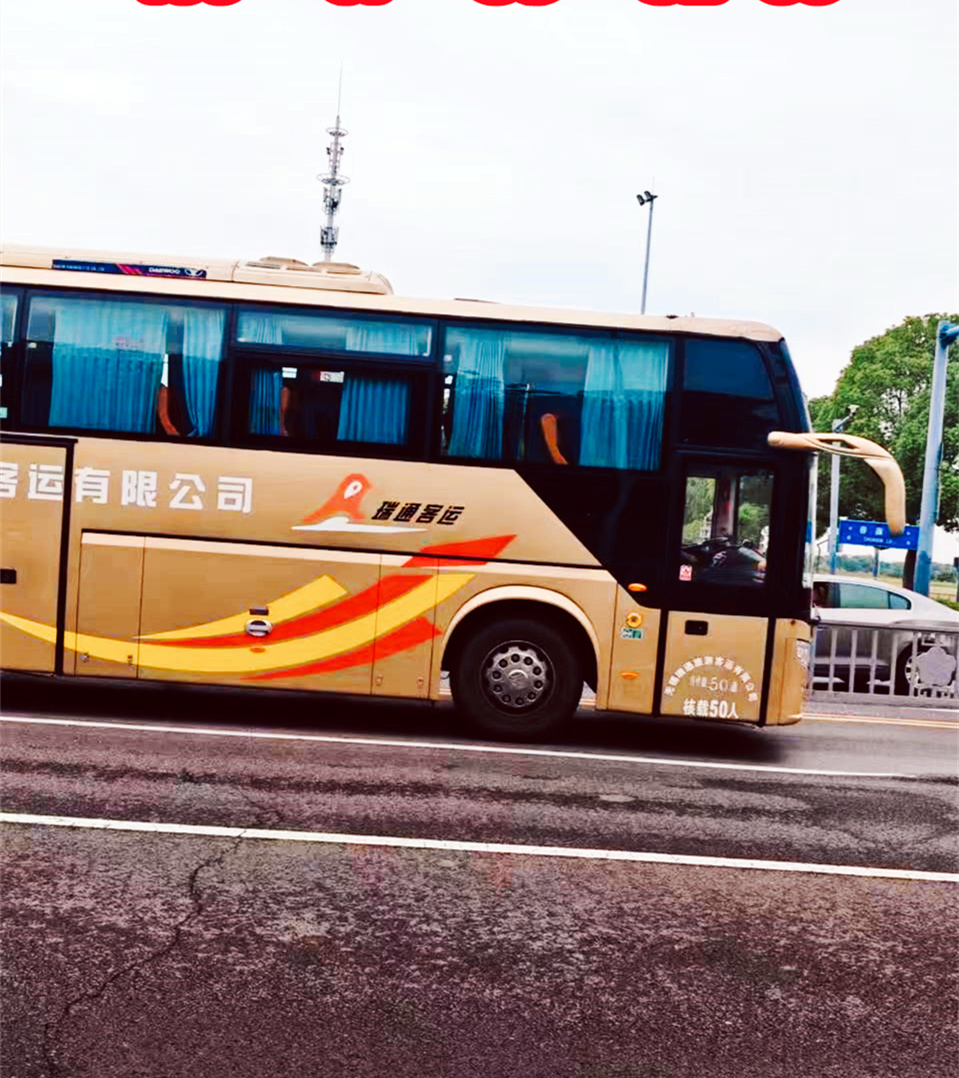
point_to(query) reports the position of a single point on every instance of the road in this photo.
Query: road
(328, 888)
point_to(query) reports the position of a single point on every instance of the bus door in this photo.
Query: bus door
(33, 475)
(718, 621)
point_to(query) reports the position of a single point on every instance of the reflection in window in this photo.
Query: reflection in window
(328, 407)
(9, 303)
(596, 400)
(862, 597)
(330, 333)
(727, 395)
(122, 365)
(726, 527)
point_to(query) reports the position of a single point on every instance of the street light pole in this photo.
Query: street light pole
(642, 200)
(945, 336)
(837, 426)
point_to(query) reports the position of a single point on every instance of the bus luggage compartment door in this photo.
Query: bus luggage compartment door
(255, 614)
(714, 666)
(108, 610)
(32, 475)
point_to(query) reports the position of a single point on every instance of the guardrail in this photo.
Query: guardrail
(916, 663)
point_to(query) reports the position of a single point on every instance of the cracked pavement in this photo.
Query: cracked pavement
(145, 955)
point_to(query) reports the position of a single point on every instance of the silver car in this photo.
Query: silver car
(918, 626)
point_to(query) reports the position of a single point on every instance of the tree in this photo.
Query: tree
(889, 378)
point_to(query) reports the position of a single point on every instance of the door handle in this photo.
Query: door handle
(259, 627)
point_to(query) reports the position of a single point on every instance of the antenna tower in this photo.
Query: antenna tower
(333, 183)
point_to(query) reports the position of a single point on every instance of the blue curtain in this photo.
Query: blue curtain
(394, 340)
(374, 410)
(623, 405)
(107, 365)
(266, 383)
(202, 348)
(478, 396)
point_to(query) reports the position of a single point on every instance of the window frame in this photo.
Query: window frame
(96, 295)
(15, 360)
(244, 363)
(672, 340)
(778, 398)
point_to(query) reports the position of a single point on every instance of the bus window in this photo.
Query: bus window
(594, 401)
(727, 395)
(120, 365)
(9, 314)
(726, 528)
(296, 331)
(330, 408)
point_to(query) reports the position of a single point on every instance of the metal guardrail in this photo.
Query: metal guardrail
(916, 663)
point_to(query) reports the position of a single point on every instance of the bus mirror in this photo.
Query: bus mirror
(850, 445)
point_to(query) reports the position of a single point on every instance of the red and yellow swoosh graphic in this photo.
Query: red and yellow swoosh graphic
(311, 636)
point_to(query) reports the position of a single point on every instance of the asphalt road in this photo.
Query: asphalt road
(164, 954)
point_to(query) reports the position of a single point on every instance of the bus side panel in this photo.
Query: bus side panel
(635, 646)
(258, 615)
(108, 609)
(31, 502)
(790, 672)
(406, 627)
(714, 666)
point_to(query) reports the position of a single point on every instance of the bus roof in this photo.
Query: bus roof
(266, 280)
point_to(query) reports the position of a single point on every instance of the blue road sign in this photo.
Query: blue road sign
(875, 533)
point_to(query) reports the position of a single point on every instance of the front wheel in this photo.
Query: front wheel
(516, 678)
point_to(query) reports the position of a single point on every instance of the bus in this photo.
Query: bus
(280, 475)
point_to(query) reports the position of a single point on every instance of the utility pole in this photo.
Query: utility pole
(333, 183)
(945, 336)
(837, 426)
(643, 199)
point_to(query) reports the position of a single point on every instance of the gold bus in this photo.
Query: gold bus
(281, 475)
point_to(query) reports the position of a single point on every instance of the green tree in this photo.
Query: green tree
(888, 378)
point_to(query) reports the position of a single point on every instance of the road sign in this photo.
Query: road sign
(876, 533)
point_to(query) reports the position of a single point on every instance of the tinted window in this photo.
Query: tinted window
(328, 407)
(726, 527)
(862, 597)
(899, 602)
(9, 301)
(728, 397)
(596, 401)
(332, 333)
(122, 365)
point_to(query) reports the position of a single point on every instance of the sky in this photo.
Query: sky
(805, 158)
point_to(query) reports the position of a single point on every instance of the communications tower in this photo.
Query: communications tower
(333, 184)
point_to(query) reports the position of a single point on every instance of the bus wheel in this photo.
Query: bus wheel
(516, 678)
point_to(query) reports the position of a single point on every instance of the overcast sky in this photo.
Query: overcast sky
(805, 158)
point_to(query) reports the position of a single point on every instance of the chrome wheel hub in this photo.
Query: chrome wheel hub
(516, 675)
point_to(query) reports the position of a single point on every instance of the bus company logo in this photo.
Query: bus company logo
(343, 513)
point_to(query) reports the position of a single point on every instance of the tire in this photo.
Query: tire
(516, 678)
(904, 668)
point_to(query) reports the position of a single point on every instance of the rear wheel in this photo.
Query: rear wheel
(516, 678)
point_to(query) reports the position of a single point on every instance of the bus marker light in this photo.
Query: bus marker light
(634, 620)
(629, 675)
(637, 587)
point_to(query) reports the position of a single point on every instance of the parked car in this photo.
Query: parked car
(915, 621)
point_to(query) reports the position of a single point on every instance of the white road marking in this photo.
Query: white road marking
(500, 750)
(450, 846)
